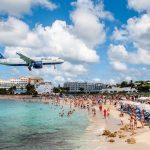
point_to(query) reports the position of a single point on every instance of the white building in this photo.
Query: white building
(20, 83)
(4, 84)
(117, 90)
(84, 87)
(44, 88)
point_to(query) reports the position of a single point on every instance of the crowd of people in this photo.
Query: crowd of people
(91, 103)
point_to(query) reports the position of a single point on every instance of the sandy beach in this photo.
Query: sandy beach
(95, 140)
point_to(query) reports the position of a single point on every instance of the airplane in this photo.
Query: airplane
(36, 63)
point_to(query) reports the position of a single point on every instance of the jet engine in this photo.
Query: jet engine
(37, 65)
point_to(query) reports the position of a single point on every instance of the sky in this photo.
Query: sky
(100, 40)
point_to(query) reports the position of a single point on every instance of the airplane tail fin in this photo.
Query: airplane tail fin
(1, 56)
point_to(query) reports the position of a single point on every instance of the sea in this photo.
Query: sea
(38, 126)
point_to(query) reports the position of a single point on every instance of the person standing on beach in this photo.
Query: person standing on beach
(121, 119)
(100, 107)
(131, 124)
(135, 123)
(142, 120)
(108, 113)
(105, 112)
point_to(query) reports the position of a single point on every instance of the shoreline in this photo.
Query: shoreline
(17, 97)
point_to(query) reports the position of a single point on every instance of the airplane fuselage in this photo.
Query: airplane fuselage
(42, 60)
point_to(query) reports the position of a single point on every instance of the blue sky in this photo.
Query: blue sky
(100, 40)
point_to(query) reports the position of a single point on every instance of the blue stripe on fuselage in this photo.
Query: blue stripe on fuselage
(16, 64)
(52, 63)
(27, 65)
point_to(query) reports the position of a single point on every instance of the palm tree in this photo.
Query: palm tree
(31, 90)
(131, 84)
(12, 89)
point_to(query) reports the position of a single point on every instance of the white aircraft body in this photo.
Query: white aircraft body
(36, 63)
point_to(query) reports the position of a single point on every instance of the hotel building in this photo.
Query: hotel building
(20, 83)
(84, 87)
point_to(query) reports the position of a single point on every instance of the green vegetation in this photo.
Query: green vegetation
(61, 90)
(11, 91)
(126, 84)
(141, 86)
(3, 91)
(31, 90)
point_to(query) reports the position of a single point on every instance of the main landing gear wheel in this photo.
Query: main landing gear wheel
(29, 68)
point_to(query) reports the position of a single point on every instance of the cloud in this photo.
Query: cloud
(117, 52)
(128, 78)
(20, 7)
(86, 19)
(120, 53)
(120, 35)
(132, 73)
(76, 42)
(119, 66)
(129, 32)
(73, 69)
(55, 40)
(59, 79)
(137, 33)
(12, 31)
(141, 39)
(46, 71)
(139, 5)
(142, 56)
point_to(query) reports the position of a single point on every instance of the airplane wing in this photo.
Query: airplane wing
(25, 58)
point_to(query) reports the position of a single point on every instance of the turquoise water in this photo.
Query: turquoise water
(38, 126)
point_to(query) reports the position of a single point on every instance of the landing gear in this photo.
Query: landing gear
(29, 68)
(54, 66)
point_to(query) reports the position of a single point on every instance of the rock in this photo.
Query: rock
(122, 136)
(120, 131)
(126, 127)
(112, 134)
(131, 141)
(111, 140)
(106, 132)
